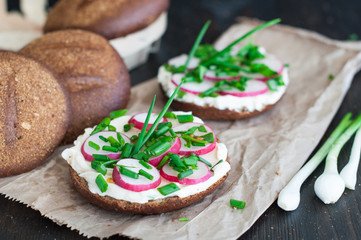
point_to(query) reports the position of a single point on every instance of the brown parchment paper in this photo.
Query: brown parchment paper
(265, 151)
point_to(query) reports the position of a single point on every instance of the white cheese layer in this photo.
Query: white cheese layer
(222, 102)
(77, 161)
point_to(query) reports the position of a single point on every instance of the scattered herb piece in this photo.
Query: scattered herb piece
(170, 115)
(102, 184)
(144, 164)
(168, 189)
(237, 204)
(101, 157)
(118, 113)
(185, 173)
(110, 149)
(216, 164)
(128, 173)
(185, 118)
(181, 94)
(99, 167)
(202, 128)
(127, 127)
(145, 174)
(331, 77)
(127, 150)
(112, 128)
(164, 160)
(94, 145)
(103, 139)
(353, 37)
(183, 219)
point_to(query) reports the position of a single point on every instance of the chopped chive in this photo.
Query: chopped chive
(112, 128)
(140, 142)
(164, 146)
(272, 85)
(102, 184)
(165, 139)
(168, 189)
(101, 157)
(134, 138)
(172, 133)
(99, 167)
(127, 150)
(196, 144)
(181, 94)
(205, 161)
(146, 165)
(331, 77)
(164, 160)
(127, 127)
(151, 147)
(194, 167)
(111, 162)
(145, 174)
(209, 92)
(118, 113)
(141, 156)
(191, 130)
(216, 164)
(209, 137)
(128, 173)
(162, 131)
(94, 145)
(185, 118)
(192, 139)
(183, 219)
(184, 174)
(161, 125)
(110, 149)
(237, 204)
(170, 115)
(191, 160)
(202, 128)
(120, 138)
(177, 161)
(113, 141)
(103, 139)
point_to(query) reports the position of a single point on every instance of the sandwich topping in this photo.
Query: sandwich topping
(181, 157)
(243, 80)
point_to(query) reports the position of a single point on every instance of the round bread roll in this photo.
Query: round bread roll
(36, 113)
(110, 19)
(90, 69)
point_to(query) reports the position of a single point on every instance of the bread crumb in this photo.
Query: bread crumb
(278, 173)
(26, 125)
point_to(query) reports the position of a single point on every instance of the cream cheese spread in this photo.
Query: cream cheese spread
(76, 160)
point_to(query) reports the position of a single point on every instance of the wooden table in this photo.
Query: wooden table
(313, 219)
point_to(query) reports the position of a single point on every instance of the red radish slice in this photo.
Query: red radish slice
(195, 149)
(270, 61)
(181, 60)
(88, 151)
(211, 75)
(199, 175)
(135, 185)
(173, 149)
(253, 88)
(192, 87)
(139, 119)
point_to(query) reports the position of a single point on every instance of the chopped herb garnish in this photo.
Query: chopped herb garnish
(195, 144)
(102, 184)
(164, 160)
(161, 131)
(237, 204)
(112, 128)
(101, 157)
(103, 139)
(185, 173)
(216, 164)
(127, 150)
(118, 113)
(99, 167)
(141, 156)
(168, 189)
(170, 115)
(127, 127)
(181, 94)
(202, 128)
(353, 37)
(145, 174)
(190, 161)
(331, 77)
(272, 85)
(185, 118)
(113, 142)
(128, 173)
(110, 149)
(144, 164)
(94, 145)
(183, 219)
(177, 161)
(205, 161)
(133, 138)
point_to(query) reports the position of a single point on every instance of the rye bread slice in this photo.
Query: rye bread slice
(152, 207)
(35, 113)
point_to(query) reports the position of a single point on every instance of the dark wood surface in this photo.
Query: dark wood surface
(312, 220)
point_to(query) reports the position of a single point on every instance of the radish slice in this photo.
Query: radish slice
(176, 145)
(192, 87)
(135, 185)
(88, 151)
(199, 175)
(181, 60)
(270, 61)
(195, 149)
(139, 119)
(211, 75)
(253, 88)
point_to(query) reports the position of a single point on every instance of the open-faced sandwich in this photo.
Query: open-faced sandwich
(119, 167)
(231, 83)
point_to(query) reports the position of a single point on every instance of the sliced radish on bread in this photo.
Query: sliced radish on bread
(181, 60)
(139, 119)
(199, 150)
(141, 183)
(88, 151)
(176, 145)
(253, 88)
(192, 87)
(199, 175)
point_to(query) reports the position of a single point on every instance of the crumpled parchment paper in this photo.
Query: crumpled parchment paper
(265, 151)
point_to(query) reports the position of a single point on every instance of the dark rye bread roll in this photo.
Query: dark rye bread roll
(90, 69)
(157, 206)
(110, 19)
(35, 113)
(213, 113)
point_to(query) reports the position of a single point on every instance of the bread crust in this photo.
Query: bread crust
(35, 113)
(213, 113)
(91, 70)
(110, 19)
(152, 207)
